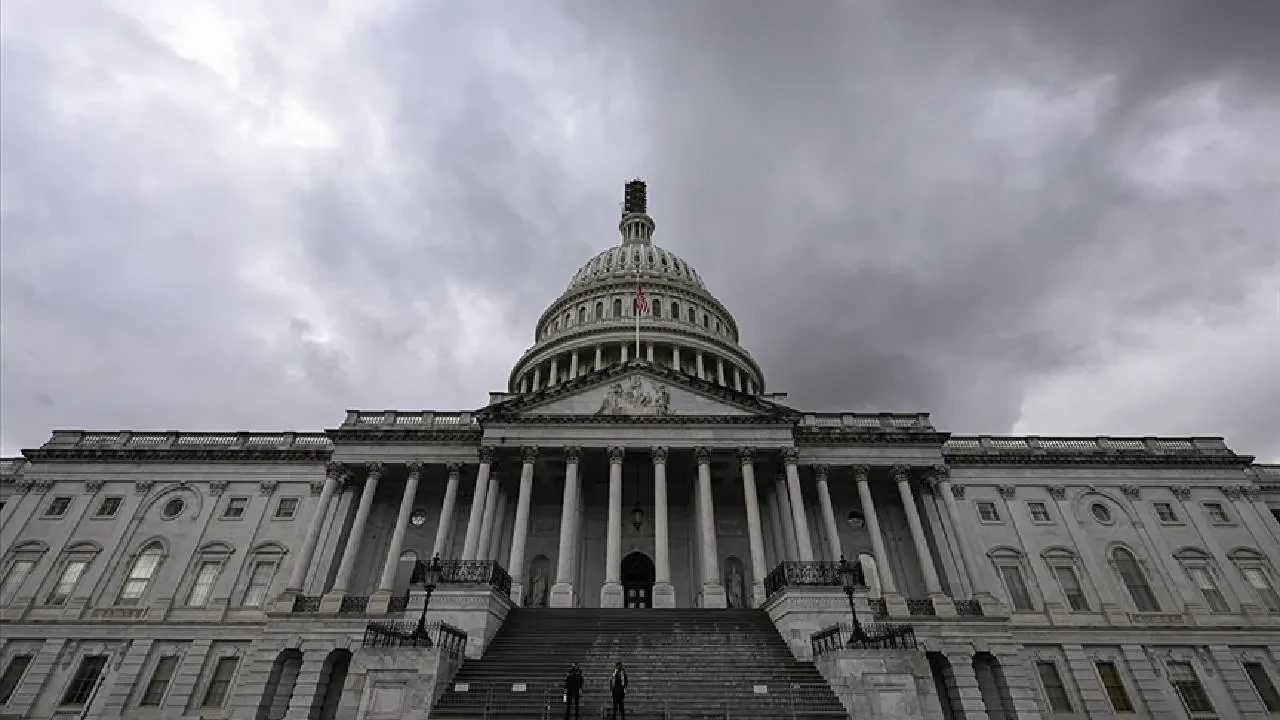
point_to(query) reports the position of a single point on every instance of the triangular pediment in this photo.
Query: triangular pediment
(639, 390)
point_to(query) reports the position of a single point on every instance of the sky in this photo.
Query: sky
(1021, 216)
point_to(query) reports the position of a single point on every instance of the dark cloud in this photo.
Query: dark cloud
(974, 208)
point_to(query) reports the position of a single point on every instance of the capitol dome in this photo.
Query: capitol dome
(592, 325)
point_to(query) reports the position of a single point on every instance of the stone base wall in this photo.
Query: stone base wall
(882, 684)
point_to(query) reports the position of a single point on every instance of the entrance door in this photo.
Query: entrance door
(637, 581)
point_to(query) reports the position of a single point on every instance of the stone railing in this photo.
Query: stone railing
(353, 605)
(395, 634)
(971, 445)
(968, 608)
(130, 440)
(475, 572)
(10, 466)
(867, 422)
(804, 574)
(306, 604)
(868, 636)
(408, 419)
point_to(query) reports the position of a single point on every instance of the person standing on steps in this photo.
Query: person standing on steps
(573, 692)
(618, 688)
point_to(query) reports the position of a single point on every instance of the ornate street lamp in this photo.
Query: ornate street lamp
(637, 517)
(430, 577)
(852, 579)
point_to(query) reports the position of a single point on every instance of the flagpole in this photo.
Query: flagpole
(635, 307)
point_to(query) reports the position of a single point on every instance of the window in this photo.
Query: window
(86, 678)
(599, 310)
(617, 308)
(582, 314)
(108, 507)
(987, 512)
(1039, 513)
(1187, 683)
(1011, 575)
(13, 675)
(1114, 686)
(675, 310)
(13, 579)
(159, 683)
(1101, 513)
(255, 593)
(1256, 672)
(1165, 513)
(1204, 582)
(1216, 512)
(657, 308)
(706, 323)
(286, 508)
(216, 693)
(693, 315)
(62, 589)
(173, 508)
(235, 508)
(1070, 583)
(1261, 584)
(206, 576)
(57, 507)
(140, 573)
(1054, 690)
(1135, 581)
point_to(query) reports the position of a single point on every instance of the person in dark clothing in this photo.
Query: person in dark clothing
(618, 688)
(573, 692)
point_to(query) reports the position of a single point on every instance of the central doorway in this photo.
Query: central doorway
(637, 581)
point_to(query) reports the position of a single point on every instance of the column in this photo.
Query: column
(445, 526)
(537, 378)
(773, 518)
(755, 535)
(562, 594)
(942, 603)
(702, 374)
(554, 378)
(625, 350)
(712, 589)
(573, 365)
(720, 372)
(888, 586)
(648, 352)
(498, 530)
(599, 357)
(788, 524)
(611, 591)
(333, 599)
(524, 384)
(967, 691)
(333, 475)
(664, 594)
(476, 516)
(488, 519)
(828, 513)
(675, 358)
(978, 578)
(737, 380)
(1253, 512)
(520, 531)
(392, 564)
(804, 544)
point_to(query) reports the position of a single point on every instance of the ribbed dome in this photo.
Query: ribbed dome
(622, 261)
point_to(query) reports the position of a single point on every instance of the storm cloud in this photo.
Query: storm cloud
(1029, 217)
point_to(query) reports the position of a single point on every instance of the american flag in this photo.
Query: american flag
(642, 302)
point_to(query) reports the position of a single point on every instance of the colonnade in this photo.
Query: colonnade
(789, 525)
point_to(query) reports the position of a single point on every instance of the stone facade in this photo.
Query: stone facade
(234, 574)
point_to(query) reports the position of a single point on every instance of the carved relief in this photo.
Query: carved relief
(636, 399)
(1008, 491)
(375, 470)
(901, 473)
(702, 455)
(1058, 492)
(573, 454)
(529, 454)
(1233, 492)
(334, 470)
(659, 454)
(415, 468)
(1182, 492)
(790, 455)
(143, 485)
(1133, 492)
(268, 487)
(317, 487)
(93, 485)
(218, 485)
(488, 453)
(747, 455)
(545, 526)
(454, 467)
(820, 472)
(941, 473)
(958, 491)
(616, 454)
(860, 472)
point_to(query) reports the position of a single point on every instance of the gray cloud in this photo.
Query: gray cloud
(975, 209)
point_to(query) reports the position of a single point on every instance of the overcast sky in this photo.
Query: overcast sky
(1022, 216)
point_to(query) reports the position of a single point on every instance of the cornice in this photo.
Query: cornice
(194, 455)
(1025, 459)
(612, 285)
(406, 434)
(819, 437)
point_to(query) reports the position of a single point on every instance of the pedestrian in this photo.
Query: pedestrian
(573, 692)
(618, 688)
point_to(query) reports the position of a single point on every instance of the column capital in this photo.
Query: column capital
(572, 454)
(820, 472)
(790, 455)
(1133, 492)
(861, 472)
(1233, 492)
(1058, 492)
(901, 473)
(747, 454)
(702, 455)
(529, 454)
(375, 469)
(957, 491)
(335, 470)
(454, 467)
(488, 454)
(1182, 492)
(941, 473)
(415, 467)
(616, 453)
(659, 453)
(1008, 492)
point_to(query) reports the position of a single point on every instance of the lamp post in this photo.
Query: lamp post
(430, 577)
(851, 578)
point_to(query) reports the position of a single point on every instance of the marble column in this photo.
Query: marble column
(472, 543)
(755, 534)
(720, 372)
(787, 524)
(894, 601)
(702, 374)
(297, 578)
(599, 357)
(562, 593)
(942, 603)
(712, 589)
(675, 358)
(573, 365)
(488, 519)
(970, 558)
(520, 530)
(444, 527)
(498, 530)
(391, 565)
(828, 513)
(790, 457)
(351, 552)
(611, 591)
(555, 372)
(664, 593)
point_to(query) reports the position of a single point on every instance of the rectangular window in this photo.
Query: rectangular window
(1070, 582)
(1054, 690)
(109, 507)
(220, 682)
(1262, 585)
(1187, 683)
(1216, 512)
(13, 675)
(57, 507)
(1209, 589)
(987, 512)
(1017, 589)
(206, 576)
(235, 508)
(84, 681)
(1114, 685)
(13, 579)
(1039, 513)
(159, 683)
(1261, 682)
(286, 508)
(66, 582)
(1165, 513)
(259, 582)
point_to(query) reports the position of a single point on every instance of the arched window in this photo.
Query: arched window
(599, 310)
(657, 308)
(582, 314)
(22, 559)
(675, 310)
(617, 307)
(1010, 567)
(706, 323)
(1066, 570)
(205, 572)
(1260, 575)
(141, 572)
(1203, 575)
(75, 561)
(262, 570)
(693, 315)
(1134, 580)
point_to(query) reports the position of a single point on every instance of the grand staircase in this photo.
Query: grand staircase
(681, 664)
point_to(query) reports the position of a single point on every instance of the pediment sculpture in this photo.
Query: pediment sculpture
(639, 398)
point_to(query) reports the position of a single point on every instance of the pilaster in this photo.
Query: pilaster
(125, 678)
(1150, 690)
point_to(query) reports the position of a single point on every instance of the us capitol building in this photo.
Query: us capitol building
(637, 459)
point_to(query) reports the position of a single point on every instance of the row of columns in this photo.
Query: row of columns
(720, 373)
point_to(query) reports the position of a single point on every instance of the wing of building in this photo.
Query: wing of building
(637, 476)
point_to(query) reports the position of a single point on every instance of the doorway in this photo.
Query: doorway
(637, 581)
